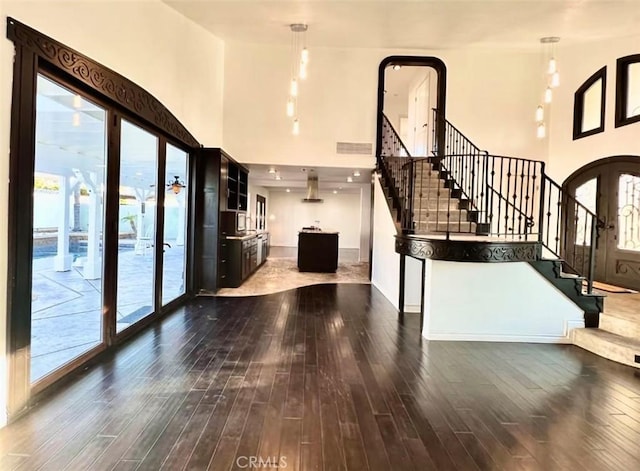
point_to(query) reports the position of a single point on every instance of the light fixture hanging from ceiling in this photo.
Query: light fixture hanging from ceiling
(299, 65)
(551, 81)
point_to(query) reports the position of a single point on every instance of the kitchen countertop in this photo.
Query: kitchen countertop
(250, 235)
(316, 232)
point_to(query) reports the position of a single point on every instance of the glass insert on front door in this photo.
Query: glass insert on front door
(629, 212)
(586, 195)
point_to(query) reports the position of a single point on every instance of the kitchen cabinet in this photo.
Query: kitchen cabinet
(234, 184)
(239, 258)
(221, 185)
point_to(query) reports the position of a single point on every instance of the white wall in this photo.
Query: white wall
(576, 64)
(146, 41)
(491, 98)
(339, 212)
(495, 302)
(385, 269)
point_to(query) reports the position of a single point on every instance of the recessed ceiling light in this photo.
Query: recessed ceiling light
(397, 67)
(278, 177)
(288, 190)
(335, 192)
(356, 173)
(272, 170)
(349, 179)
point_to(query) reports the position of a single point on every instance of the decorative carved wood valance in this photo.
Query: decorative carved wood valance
(106, 82)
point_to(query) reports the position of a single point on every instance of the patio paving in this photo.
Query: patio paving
(67, 309)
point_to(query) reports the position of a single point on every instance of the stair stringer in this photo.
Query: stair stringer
(572, 287)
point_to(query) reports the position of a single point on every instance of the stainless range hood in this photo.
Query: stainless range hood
(312, 189)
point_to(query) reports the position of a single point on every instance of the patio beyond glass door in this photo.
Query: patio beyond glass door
(68, 221)
(175, 224)
(137, 225)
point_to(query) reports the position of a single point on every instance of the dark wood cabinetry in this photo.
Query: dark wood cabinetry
(234, 186)
(238, 259)
(318, 251)
(221, 185)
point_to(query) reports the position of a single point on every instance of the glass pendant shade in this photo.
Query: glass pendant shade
(542, 132)
(290, 108)
(304, 56)
(539, 113)
(294, 87)
(303, 70)
(296, 127)
(548, 95)
(555, 79)
(552, 66)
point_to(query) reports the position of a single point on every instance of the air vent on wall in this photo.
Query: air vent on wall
(360, 148)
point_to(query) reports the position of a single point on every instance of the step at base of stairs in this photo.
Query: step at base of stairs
(614, 347)
(619, 325)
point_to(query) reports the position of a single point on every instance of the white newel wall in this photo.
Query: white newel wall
(177, 61)
(508, 302)
(385, 270)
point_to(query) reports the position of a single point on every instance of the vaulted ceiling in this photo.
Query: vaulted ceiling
(426, 24)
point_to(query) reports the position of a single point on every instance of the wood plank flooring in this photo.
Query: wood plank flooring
(325, 378)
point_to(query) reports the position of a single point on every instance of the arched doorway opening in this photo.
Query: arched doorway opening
(610, 187)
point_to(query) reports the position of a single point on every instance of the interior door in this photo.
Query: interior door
(623, 225)
(421, 119)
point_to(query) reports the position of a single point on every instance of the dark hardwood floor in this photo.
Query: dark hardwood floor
(325, 378)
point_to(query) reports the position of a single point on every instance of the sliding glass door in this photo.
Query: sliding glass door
(68, 220)
(137, 229)
(69, 307)
(175, 224)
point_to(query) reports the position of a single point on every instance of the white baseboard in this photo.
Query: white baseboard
(496, 337)
(394, 302)
(569, 325)
(413, 308)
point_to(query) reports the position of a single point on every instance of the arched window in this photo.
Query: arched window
(589, 105)
(628, 90)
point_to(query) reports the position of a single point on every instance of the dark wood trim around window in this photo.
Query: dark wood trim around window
(622, 90)
(578, 105)
(109, 84)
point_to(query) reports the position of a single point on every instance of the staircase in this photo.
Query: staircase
(461, 189)
(435, 204)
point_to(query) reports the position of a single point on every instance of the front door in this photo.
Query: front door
(613, 189)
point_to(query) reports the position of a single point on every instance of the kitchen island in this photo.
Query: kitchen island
(317, 251)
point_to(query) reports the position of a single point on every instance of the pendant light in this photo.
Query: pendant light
(299, 70)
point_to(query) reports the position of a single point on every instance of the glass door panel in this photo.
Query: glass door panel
(68, 221)
(137, 225)
(587, 195)
(629, 212)
(175, 224)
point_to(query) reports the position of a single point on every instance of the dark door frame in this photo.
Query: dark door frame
(441, 72)
(606, 247)
(36, 53)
